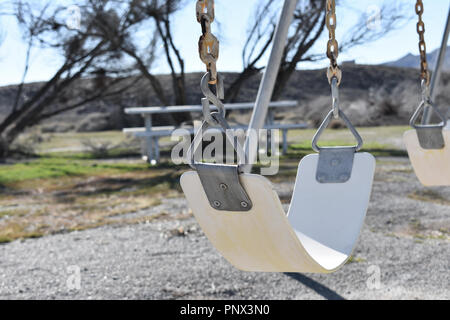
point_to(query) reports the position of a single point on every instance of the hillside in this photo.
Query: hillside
(413, 61)
(370, 95)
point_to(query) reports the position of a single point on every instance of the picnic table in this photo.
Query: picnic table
(152, 134)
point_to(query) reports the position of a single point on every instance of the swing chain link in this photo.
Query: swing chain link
(332, 46)
(208, 45)
(425, 74)
(334, 73)
(426, 96)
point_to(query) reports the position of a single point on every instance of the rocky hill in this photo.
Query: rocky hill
(413, 61)
(370, 95)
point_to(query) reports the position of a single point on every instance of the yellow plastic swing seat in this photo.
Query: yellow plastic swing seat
(318, 235)
(432, 166)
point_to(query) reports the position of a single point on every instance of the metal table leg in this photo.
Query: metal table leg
(149, 139)
(157, 153)
(284, 142)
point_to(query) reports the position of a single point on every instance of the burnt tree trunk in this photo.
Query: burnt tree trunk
(233, 91)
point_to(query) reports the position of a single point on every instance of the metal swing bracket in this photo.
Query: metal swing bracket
(220, 181)
(430, 136)
(223, 188)
(335, 164)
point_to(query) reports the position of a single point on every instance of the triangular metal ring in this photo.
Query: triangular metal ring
(430, 135)
(325, 124)
(417, 113)
(222, 124)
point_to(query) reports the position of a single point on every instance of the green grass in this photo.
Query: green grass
(375, 138)
(380, 141)
(380, 135)
(67, 187)
(354, 259)
(116, 153)
(375, 148)
(75, 139)
(72, 193)
(12, 212)
(54, 167)
(429, 195)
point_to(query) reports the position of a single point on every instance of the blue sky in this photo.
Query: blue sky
(234, 16)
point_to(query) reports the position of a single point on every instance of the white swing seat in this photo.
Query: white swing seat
(432, 166)
(318, 235)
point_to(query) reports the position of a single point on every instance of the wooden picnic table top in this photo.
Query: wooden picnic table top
(198, 108)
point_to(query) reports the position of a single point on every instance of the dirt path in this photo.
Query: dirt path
(405, 239)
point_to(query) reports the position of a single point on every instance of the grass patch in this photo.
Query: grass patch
(375, 148)
(67, 189)
(354, 259)
(61, 194)
(422, 237)
(402, 170)
(416, 225)
(380, 141)
(55, 167)
(380, 134)
(54, 141)
(13, 212)
(20, 230)
(420, 232)
(429, 195)
(116, 153)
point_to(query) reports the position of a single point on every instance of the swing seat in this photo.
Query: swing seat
(432, 166)
(318, 234)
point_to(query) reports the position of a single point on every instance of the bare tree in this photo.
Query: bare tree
(96, 62)
(260, 36)
(85, 55)
(308, 26)
(152, 17)
(163, 24)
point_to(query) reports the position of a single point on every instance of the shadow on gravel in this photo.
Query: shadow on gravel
(314, 285)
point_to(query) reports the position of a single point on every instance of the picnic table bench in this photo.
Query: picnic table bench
(152, 134)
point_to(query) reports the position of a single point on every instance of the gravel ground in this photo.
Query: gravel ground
(405, 241)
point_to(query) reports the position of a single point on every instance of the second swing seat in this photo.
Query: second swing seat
(432, 166)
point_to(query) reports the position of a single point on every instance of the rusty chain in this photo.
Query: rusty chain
(334, 75)
(332, 46)
(208, 45)
(424, 73)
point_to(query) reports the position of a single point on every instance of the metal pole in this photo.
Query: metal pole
(268, 81)
(437, 71)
